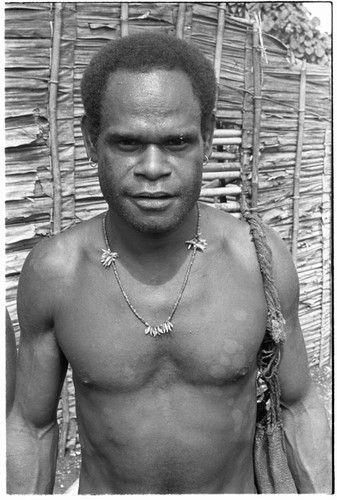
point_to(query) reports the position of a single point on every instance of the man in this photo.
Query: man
(158, 305)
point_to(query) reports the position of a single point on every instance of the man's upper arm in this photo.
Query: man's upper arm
(41, 365)
(294, 373)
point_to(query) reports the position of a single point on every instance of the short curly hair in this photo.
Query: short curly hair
(143, 53)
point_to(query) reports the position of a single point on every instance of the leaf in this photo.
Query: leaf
(284, 14)
(319, 51)
(315, 21)
(267, 25)
(289, 28)
(323, 60)
(293, 19)
(293, 44)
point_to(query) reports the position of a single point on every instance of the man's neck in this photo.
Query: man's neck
(150, 247)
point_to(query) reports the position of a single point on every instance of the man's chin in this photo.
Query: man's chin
(158, 222)
(155, 227)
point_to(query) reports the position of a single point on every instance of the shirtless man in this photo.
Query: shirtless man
(158, 411)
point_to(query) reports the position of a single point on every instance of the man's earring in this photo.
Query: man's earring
(92, 163)
(205, 160)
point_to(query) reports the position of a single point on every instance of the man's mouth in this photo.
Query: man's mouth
(153, 200)
(154, 195)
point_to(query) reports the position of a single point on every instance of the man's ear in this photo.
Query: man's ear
(208, 136)
(90, 147)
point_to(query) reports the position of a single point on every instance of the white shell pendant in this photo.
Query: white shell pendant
(108, 257)
(165, 327)
(197, 242)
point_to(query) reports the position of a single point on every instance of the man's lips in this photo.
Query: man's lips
(153, 195)
(153, 200)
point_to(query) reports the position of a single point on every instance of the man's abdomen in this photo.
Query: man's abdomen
(174, 438)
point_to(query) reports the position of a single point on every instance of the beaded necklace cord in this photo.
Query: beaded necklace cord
(108, 259)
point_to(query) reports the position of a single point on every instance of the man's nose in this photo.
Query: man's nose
(153, 163)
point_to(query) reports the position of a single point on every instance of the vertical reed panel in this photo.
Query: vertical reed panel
(54, 73)
(124, 19)
(57, 188)
(181, 20)
(218, 46)
(247, 119)
(299, 148)
(257, 117)
(325, 340)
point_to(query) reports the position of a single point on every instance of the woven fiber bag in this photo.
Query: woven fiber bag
(272, 473)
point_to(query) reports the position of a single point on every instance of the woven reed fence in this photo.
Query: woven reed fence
(272, 139)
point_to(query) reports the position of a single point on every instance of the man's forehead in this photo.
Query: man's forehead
(155, 82)
(159, 93)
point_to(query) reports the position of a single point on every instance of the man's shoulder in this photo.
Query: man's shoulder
(283, 269)
(228, 229)
(285, 273)
(60, 255)
(236, 234)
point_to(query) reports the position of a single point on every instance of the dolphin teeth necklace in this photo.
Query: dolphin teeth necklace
(108, 259)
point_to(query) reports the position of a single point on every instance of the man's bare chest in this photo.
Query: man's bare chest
(217, 330)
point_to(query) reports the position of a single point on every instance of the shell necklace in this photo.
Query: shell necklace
(108, 259)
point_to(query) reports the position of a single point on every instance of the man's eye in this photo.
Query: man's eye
(128, 144)
(176, 144)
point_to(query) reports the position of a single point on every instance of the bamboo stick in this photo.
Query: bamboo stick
(220, 167)
(222, 141)
(242, 20)
(218, 47)
(220, 175)
(257, 117)
(246, 146)
(226, 132)
(54, 71)
(296, 196)
(65, 419)
(215, 183)
(230, 206)
(124, 19)
(224, 155)
(244, 179)
(180, 20)
(57, 188)
(207, 199)
(221, 191)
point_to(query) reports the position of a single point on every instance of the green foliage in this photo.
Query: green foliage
(290, 23)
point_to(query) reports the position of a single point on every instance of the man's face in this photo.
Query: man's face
(150, 149)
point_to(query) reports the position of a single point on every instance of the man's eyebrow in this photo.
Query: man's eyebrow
(121, 135)
(118, 136)
(182, 135)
